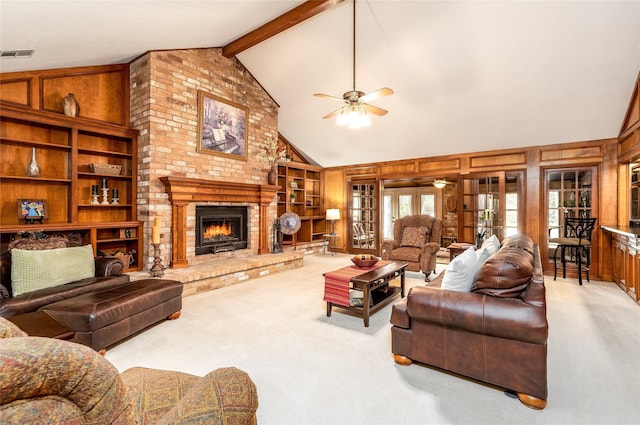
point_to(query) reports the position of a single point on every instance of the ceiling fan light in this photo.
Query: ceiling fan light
(439, 184)
(365, 121)
(354, 118)
(343, 118)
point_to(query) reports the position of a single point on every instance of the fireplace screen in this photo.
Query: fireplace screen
(220, 229)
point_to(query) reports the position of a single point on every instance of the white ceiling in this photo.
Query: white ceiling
(468, 75)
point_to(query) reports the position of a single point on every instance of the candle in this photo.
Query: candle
(155, 231)
(94, 189)
(104, 183)
(114, 193)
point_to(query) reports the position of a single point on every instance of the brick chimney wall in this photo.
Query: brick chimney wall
(164, 108)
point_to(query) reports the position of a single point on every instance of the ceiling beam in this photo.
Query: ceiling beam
(298, 14)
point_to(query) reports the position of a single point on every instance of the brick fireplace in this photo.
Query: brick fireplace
(185, 192)
(164, 108)
(221, 228)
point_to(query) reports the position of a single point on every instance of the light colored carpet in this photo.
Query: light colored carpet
(313, 369)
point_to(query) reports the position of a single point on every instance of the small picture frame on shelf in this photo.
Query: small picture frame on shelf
(128, 233)
(32, 210)
(293, 184)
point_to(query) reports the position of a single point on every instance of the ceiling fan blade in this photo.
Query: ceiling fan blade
(385, 91)
(333, 114)
(374, 109)
(326, 96)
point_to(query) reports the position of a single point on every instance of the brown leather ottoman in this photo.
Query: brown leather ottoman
(103, 318)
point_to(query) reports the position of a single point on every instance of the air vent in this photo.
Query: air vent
(16, 53)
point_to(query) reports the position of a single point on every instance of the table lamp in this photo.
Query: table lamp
(333, 214)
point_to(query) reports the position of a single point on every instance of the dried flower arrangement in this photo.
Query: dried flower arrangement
(270, 151)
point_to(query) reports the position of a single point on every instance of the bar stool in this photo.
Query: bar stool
(577, 237)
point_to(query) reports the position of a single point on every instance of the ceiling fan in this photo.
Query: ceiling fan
(355, 111)
(440, 183)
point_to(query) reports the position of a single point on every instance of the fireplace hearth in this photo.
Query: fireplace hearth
(221, 228)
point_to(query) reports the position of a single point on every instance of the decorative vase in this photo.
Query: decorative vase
(33, 169)
(272, 176)
(70, 105)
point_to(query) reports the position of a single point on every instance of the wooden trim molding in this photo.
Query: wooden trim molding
(183, 191)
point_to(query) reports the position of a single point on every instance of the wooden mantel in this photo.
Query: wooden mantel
(183, 191)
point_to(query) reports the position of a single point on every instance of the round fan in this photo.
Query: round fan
(289, 223)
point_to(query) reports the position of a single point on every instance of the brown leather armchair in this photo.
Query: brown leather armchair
(416, 240)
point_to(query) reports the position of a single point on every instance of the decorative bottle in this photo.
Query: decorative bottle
(33, 169)
(70, 105)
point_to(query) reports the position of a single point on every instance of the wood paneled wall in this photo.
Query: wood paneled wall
(532, 161)
(102, 91)
(629, 150)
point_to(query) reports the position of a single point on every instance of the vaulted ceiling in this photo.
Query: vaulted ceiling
(467, 75)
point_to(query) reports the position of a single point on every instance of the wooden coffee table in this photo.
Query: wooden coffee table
(39, 323)
(458, 248)
(376, 290)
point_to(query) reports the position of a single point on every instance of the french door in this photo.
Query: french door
(492, 205)
(364, 215)
(569, 193)
(397, 203)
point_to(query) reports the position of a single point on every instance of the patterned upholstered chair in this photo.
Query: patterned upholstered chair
(416, 240)
(66, 382)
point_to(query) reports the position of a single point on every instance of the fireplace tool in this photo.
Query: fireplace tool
(277, 237)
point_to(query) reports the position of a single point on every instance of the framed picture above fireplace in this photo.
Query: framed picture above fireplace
(221, 127)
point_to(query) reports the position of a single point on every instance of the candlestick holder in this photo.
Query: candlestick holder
(115, 201)
(105, 196)
(158, 269)
(94, 199)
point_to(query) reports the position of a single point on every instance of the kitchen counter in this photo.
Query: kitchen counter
(623, 230)
(625, 259)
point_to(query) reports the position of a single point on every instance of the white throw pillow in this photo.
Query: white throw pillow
(461, 271)
(492, 244)
(488, 248)
(483, 255)
(33, 270)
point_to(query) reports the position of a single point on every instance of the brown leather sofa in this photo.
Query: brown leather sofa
(101, 310)
(416, 240)
(108, 275)
(497, 333)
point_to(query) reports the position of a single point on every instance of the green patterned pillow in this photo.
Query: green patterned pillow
(33, 270)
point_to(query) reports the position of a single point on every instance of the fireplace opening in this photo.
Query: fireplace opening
(221, 228)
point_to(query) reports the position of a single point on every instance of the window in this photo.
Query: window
(387, 219)
(428, 204)
(511, 214)
(400, 202)
(404, 205)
